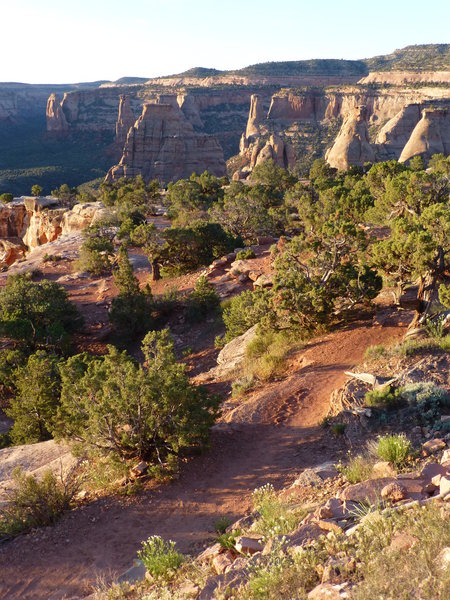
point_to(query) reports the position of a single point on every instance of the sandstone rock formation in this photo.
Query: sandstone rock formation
(352, 145)
(125, 120)
(397, 131)
(82, 216)
(56, 119)
(430, 136)
(163, 145)
(255, 117)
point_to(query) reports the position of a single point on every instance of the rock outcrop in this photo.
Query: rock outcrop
(352, 145)
(125, 120)
(397, 131)
(56, 119)
(430, 136)
(255, 116)
(163, 145)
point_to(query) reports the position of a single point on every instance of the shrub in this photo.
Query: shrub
(266, 354)
(203, 300)
(358, 468)
(220, 525)
(338, 428)
(37, 398)
(245, 254)
(37, 313)
(275, 518)
(427, 400)
(96, 252)
(394, 448)
(160, 557)
(33, 503)
(151, 411)
(228, 540)
(382, 398)
(244, 311)
(131, 310)
(375, 352)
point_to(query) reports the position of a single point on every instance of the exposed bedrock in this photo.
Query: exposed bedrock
(395, 134)
(56, 119)
(125, 120)
(430, 136)
(352, 145)
(163, 145)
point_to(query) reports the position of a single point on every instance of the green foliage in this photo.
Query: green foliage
(444, 295)
(221, 524)
(36, 400)
(190, 199)
(427, 400)
(97, 251)
(37, 313)
(160, 557)
(266, 355)
(202, 300)
(10, 360)
(358, 468)
(375, 352)
(385, 397)
(338, 428)
(36, 503)
(151, 411)
(275, 518)
(6, 197)
(228, 540)
(131, 310)
(395, 448)
(36, 190)
(243, 311)
(245, 254)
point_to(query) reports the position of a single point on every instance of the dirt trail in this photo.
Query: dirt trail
(271, 440)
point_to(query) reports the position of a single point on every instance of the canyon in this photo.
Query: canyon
(291, 112)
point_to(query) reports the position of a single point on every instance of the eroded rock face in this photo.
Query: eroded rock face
(56, 119)
(125, 120)
(430, 136)
(397, 131)
(352, 145)
(162, 145)
(255, 116)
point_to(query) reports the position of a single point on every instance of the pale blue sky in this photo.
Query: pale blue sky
(55, 41)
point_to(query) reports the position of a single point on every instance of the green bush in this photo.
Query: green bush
(243, 311)
(203, 300)
(160, 557)
(111, 404)
(275, 518)
(383, 398)
(96, 252)
(37, 398)
(375, 352)
(220, 525)
(395, 448)
(427, 400)
(358, 468)
(37, 313)
(245, 254)
(131, 310)
(36, 503)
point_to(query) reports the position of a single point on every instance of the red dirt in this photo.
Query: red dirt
(273, 439)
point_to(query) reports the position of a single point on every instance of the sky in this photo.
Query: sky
(62, 41)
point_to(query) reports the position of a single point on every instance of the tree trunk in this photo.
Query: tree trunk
(156, 274)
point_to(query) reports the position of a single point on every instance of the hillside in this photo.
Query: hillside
(425, 57)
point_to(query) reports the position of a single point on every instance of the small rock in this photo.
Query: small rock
(134, 574)
(402, 541)
(444, 486)
(394, 492)
(188, 590)
(446, 456)
(366, 491)
(430, 471)
(304, 534)
(443, 559)
(263, 281)
(222, 561)
(248, 545)
(329, 526)
(140, 469)
(433, 446)
(383, 468)
(210, 553)
(327, 591)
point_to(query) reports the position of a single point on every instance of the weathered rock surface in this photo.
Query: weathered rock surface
(430, 136)
(56, 119)
(125, 120)
(395, 134)
(352, 145)
(163, 145)
(255, 117)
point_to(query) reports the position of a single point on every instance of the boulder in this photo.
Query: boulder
(394, 492)
(433, 446)
(366, 491)
(222, 561)
(327, 591)
(305, 534)
(249, 545)
(233, 353)
(444, 486)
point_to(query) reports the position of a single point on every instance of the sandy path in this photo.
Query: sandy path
(270, 441)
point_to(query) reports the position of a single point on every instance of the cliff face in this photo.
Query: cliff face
(163, 145)
(125, 120)
(352, 145)
(430, 136)
(56, 119)
(394, 135)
